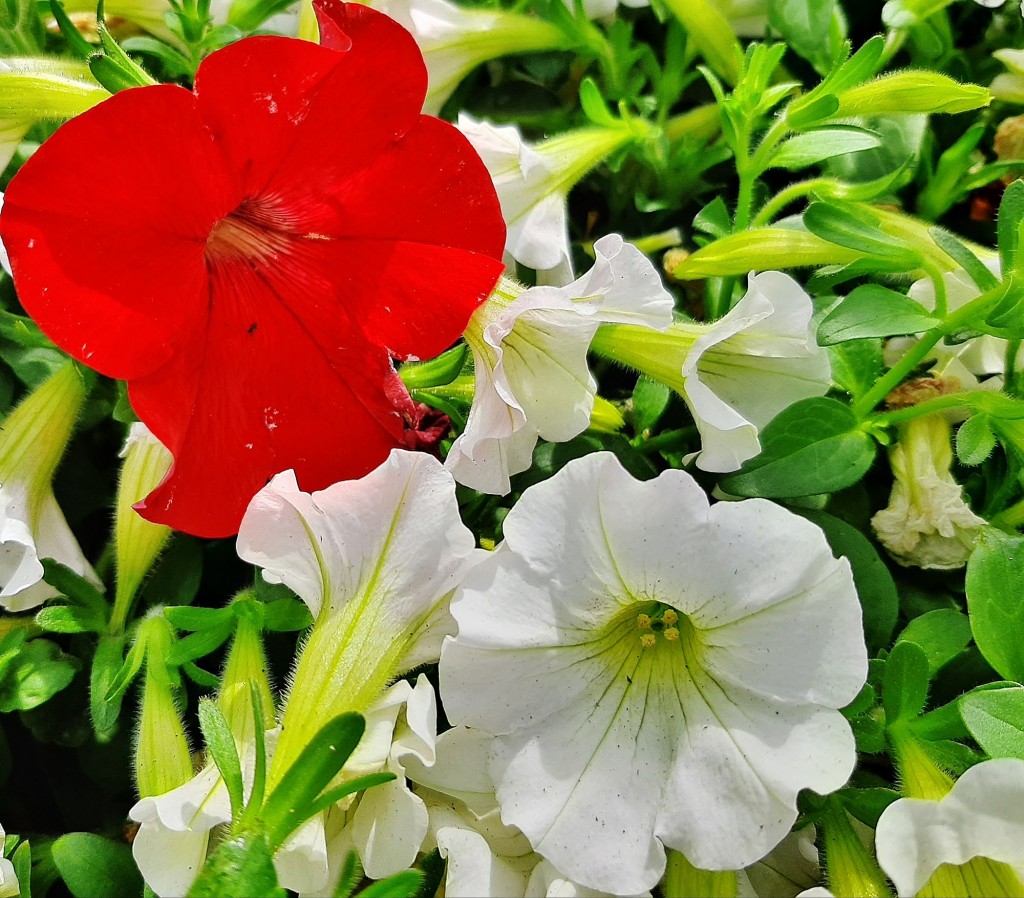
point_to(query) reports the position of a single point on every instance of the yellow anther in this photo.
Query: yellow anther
(671, 634)
(643, 621)
(670, 617)
(647, 640)
(487, 544)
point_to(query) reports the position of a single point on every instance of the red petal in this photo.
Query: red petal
(106, 236)
(431, 187)
(261, 393)
(327, 115)
(253, 96)
(413, 299)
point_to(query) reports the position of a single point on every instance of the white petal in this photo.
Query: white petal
(301, 863)
(392, 539)
(539, 237)
(198, 805)
(273, 536)
(474, 871)
(982, 816)
(388, 828)
(169, 860)
(609, 746)
(460, 770)
(416, 736)
(732, 794)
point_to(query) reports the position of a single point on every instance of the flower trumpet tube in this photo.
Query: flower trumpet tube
(34, 89)
(533, 183)
(530, 360)
(32, 527)
(737, 373)
(455, 39)
(375, 560)
(137, 541)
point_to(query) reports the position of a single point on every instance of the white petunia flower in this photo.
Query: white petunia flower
(530, 357)
(753, 363)
(737, 373)
(32, 527)
(9, 887)
(971, 842)
(658, 673)
(927, 523)
(533, 182)
(375, 560)
(456, 39)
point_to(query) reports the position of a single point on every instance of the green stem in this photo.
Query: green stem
(670, 439)
(896, 374)
(1010, 518)
(784, 197)
(954, 323)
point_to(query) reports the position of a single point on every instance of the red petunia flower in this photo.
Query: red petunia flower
(251, 254)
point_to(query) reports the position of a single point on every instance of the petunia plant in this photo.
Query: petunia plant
(489, 448)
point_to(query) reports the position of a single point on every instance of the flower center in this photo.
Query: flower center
(257, 231)
(660, 620)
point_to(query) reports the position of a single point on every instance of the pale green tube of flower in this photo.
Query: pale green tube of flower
(162, 758)
(137, 541)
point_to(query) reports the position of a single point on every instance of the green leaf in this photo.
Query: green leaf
(904, 682)
(995, 585)
(125, 672)
(960, 253)
(37, 671)
(814, 446)
(289, 804)
(95, 867)
(650, 399)
(856, 365)
(594, 106)
(995, 718)
(1011, 213)
(286, 616)
(435, 372)
(201, 643)
(855, 229)
(79, 590)
(805, 24)
(402, 885)
(714, 219)
(104, 699)
(1006, 319)
(940, 634)
(69, 619)
(874, 311)
(177, 577)
(975, 440)
(875, 587)
(241, 867)
(867, 804)
(221, 745)
(351, 876)
(812, 147)
(185, 617)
